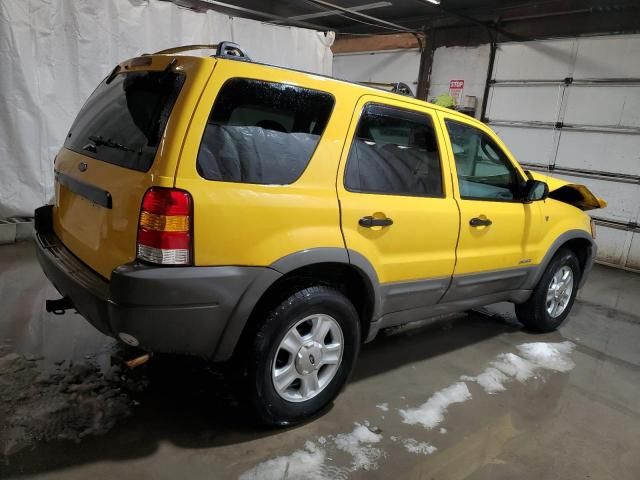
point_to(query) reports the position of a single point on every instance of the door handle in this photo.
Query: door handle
(370, 221)
(480, 222)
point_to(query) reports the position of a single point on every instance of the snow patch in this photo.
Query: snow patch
(414, 446)
(537, 356)
(431, 413)
(383, 406)
(492, 380)
(549, 356)
(514, 366)
(358, 445)
(304, 464)
(312, 462)
(443, 431)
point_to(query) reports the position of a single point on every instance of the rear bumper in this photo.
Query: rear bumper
(166, 309)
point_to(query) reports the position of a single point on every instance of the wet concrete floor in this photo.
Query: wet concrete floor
(69, 410)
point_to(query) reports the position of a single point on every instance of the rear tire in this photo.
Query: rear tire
(553, 297)
(302, 355)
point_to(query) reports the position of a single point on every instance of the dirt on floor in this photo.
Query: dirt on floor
(40, 401)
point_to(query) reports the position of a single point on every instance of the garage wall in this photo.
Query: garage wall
(449, 63)
(460, 63)
(390, 66)
(54, 53)
(571, 108)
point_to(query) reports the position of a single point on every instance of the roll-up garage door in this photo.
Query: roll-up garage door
(571, 108)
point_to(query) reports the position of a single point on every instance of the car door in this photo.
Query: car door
(499, 232)
(397, 206)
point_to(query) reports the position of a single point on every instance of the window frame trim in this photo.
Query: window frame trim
(447, 119)
(410, 112)
(250, 79)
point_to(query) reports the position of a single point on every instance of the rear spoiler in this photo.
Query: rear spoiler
(223, 50)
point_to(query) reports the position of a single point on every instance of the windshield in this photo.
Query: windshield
(122, 122)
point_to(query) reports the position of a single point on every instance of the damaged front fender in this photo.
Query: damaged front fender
(572, 193)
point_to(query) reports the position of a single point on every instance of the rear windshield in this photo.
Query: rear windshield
(262, 132)
(122, 122)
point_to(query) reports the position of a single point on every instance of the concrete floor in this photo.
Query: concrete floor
(184, 423)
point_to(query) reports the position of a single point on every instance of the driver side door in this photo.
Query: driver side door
(498, 231)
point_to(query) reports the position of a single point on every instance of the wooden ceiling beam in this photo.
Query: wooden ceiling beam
(374, 43)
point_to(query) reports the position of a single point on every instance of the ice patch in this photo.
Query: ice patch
(383, 406)
(414, 446)
(358, 445)
(431, 413)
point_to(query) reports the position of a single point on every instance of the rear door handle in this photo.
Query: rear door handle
(370, 221)
(480, 222)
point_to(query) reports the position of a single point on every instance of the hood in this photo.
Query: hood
(572, 193)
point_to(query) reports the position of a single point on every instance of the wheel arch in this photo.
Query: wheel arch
(579, 242)
(345, 270)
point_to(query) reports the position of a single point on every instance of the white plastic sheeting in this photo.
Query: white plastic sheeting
(53, 53)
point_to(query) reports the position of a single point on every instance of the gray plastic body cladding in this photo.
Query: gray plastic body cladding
(313, 256)
(555, 246)
(177, 310)
(399, 296)
(486, 283)
(180, 310)
(284, 265)
(242, 312)
(406, 316)
(304, 258)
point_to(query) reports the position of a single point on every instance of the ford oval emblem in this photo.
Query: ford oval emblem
(82, 167)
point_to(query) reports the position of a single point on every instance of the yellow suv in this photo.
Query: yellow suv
(218, 207)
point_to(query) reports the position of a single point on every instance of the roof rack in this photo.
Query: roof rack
(395, 87)
(223, 50)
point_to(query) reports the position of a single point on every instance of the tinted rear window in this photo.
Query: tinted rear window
(394, 151)
(123, 121)
(262, 132)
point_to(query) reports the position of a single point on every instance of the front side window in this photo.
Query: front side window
(262, 132)
(484, 170)
(394, 151)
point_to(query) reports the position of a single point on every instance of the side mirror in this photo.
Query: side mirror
(535, 190)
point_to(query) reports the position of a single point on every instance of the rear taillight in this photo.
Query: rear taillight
(164, 229)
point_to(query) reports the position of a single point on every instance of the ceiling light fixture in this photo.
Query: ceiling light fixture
(435, 2)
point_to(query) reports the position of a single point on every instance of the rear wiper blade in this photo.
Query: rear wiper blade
(99, 140)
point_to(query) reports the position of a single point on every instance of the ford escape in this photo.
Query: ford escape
(222, 208)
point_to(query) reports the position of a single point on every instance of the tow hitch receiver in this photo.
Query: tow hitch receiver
(58, 307)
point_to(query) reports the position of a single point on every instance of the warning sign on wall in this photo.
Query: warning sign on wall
(455, 89)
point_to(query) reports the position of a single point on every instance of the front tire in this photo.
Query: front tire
(553, 297)
(302, 355)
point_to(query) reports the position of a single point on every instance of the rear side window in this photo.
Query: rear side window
(123, 120)
(262, 132)
(394, 151)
